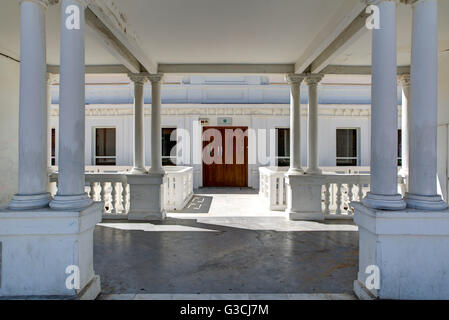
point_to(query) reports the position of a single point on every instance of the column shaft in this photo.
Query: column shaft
(139, 123)
(156, 134)
(294, 81)
(71, 180)
(405, 85)
(384, 114)
(32, 109)
(312, 137)
(424, 108)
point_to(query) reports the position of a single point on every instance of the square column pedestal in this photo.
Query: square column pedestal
(146, 196)
(41, 252)
(402, 254)
(304, 197)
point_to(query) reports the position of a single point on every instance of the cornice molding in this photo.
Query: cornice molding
(344, 111)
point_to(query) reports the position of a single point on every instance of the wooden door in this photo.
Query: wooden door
(230, 153)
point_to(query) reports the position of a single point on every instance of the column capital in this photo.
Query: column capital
(138, 78)
(404, 80)
(376, 2)
(84, 3)
(314, 79)
(52, 78)
(42, 3)
(293, 78)
(155, 78)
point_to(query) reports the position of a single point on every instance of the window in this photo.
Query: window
(105, 154)
(399, 147)
(347, 150)
(53, 146)
(283, 147)
(169, 144)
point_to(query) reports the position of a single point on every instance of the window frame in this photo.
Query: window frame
(95, 157)
(357, 145)
(277, 157)
(173, 159)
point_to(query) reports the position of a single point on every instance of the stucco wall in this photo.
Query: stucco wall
(443, 122)
(9, 106)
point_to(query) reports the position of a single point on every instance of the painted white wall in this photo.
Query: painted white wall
(443, 122)
(122, 120)
(9, 128)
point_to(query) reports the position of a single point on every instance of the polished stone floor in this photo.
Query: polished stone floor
(235, 247)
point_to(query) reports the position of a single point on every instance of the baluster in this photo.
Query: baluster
(116, 195)
(91, 193)
(103, 195)
(360, 192)
(339, 196)
(124, 197)
(350, 198)
(327, 198)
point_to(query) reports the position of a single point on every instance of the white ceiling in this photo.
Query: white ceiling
(10, 35)
(359, 53)
(221, 31)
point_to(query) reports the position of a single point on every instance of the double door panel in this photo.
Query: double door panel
(225, 157)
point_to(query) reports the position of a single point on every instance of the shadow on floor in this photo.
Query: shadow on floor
(214, 258)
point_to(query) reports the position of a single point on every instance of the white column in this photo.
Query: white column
(156, 135)
(71, 180)
(139, 123)
(384, 113)
(424, 108)
(294, 80)
(404, 81)
(32, 108)
(312, 81)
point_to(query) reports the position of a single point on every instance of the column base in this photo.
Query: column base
(295, 172)
(29, 202)
(72, 202)
(384, 202)
(37, 246)
(304, 197)
(146, 197)
(314, 171)
(431, 203)
(136, 170)
(402, 254)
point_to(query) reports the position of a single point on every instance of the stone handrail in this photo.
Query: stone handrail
(109, 184)
(340, 187)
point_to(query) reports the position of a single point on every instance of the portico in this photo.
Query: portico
(393, 227)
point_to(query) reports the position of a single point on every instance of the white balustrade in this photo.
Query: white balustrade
(178, 187)
(109, 184)
(341, 185)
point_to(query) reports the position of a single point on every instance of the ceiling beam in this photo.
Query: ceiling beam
(94, 69)
(358, 70)
(333, 37)
(113, 20)
(226, 68)
(110, 42)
